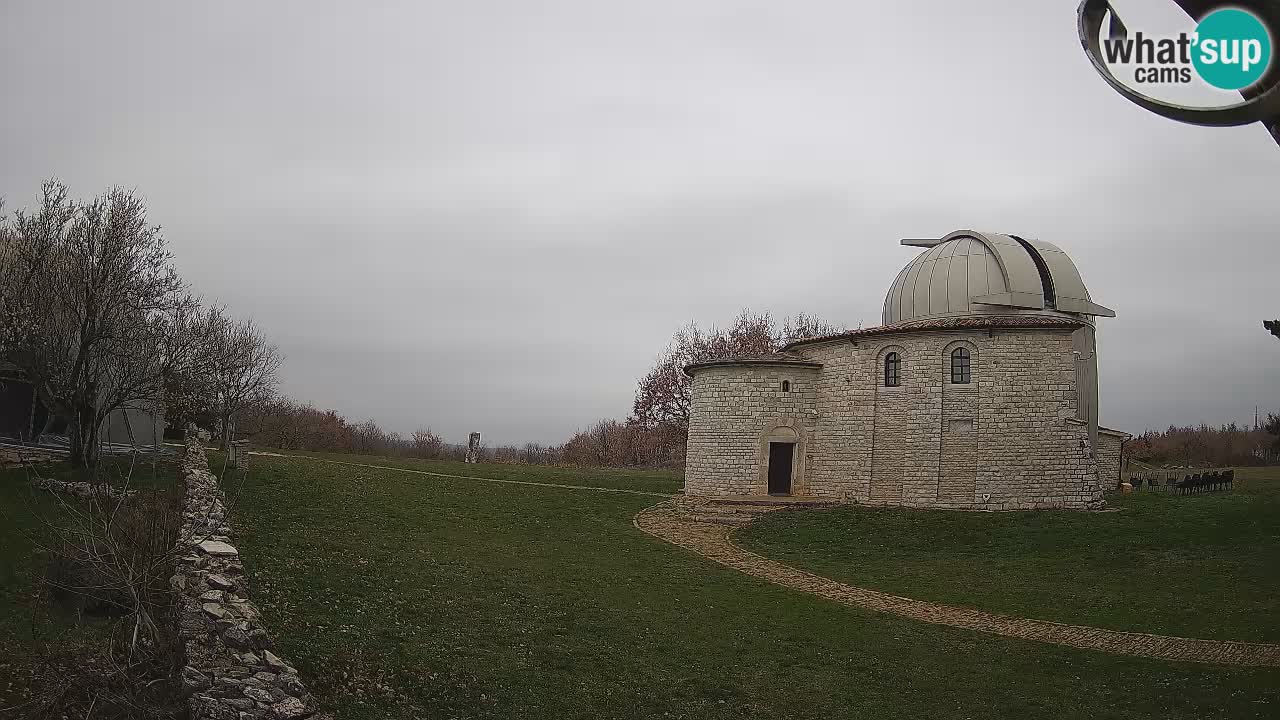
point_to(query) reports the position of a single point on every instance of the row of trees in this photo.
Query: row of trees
(1207, 446)
(1227, 445)
(655, 435)
(96, 316)
(289, 425)
(280, 422)
(94, 313)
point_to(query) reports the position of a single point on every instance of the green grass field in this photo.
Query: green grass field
(407, 596)
(40, 642)
(661, 481)
(1205, 566)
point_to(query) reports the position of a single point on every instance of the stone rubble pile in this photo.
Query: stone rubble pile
(232, 672)
(80, 489)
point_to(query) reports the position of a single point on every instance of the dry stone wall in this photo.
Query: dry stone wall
(80, 489)
(232, 670)
(1007, 440)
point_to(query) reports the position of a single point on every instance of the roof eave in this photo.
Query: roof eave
(691, 368)
(997, 322)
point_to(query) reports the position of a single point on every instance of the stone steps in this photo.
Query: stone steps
(727, 513)
(742, 509)
(735, 519)
(771, 501)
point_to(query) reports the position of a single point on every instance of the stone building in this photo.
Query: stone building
(979, 392)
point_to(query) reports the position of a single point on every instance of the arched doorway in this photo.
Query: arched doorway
(782, 460)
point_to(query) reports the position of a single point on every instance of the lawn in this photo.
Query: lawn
(1200, 566)
(661, 481)
(41, 642)
(407, 596)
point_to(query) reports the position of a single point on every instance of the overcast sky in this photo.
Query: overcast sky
(491, 216)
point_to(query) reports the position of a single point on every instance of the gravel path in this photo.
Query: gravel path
(667, 522)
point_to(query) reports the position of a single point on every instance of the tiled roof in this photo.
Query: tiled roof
(773, 358)
(968, 322)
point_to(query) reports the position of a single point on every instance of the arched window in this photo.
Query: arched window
(786, 386)
(961, 373)
(892, 365)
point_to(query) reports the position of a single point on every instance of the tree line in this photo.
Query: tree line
(1229, 445)
(97, 318)
(289, 425)
(656, 432)
(655, 435)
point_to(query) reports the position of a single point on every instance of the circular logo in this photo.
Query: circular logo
(1232, 49)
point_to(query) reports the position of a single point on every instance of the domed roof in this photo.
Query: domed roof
(973, 273)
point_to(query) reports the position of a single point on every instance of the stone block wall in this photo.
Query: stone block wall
(1032, 454)
(736, 410)
(1108, 451)
(1007, 440)
(232, 670)
(959, 451)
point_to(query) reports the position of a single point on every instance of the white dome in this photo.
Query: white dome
(973, 273)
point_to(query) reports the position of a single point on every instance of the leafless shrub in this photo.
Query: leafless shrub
(506, 454)
(535, 454)
(610, 443)
(286, 424)
(368, 438)
(112, 558)
(427, 444)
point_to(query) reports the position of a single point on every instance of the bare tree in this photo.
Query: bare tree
(534, 454)
(368, 437)
(85, 290)
(426, 444)
(111, 553)
(190, 339)
(804, 327)
(245, 372)
(662, 397)
(602, 435)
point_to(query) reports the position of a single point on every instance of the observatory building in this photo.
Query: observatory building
(979, 392)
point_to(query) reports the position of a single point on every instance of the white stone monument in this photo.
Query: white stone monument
(473, 448)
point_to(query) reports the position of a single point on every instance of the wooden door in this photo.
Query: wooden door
(780, 455)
